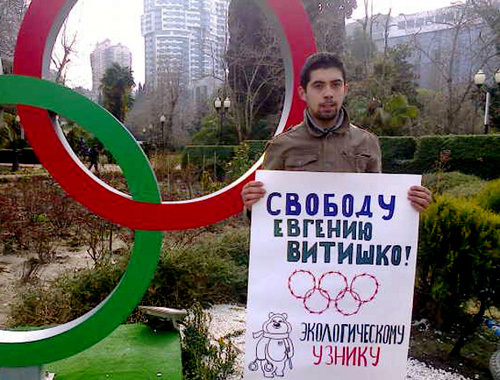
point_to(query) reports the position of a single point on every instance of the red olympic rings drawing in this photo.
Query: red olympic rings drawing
(32, 58)
(316, 296)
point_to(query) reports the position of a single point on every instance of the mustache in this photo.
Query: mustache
(328, 104)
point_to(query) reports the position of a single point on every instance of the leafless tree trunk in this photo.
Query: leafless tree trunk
(445, 63)
(61, 61)
(254, 72)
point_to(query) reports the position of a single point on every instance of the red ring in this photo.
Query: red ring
(42, 19)
(341, 296)
(369, 299)
(290, 283)
(309, 294)
(345, 289)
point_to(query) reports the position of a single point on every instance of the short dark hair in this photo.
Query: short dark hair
(317, 61)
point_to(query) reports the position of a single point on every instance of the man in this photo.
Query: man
(94, 158)
(325, 141)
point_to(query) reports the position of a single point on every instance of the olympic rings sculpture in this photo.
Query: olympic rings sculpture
(334, 289)
(143, 211)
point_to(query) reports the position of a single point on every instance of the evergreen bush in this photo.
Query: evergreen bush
(213, 270)
(459, 258)
(202, 357)
(67, 297)
(489, 197)
(441, 183)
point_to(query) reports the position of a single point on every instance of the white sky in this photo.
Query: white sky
(119, 20)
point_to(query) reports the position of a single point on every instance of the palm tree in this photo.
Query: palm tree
(9, 138)
(116, 87)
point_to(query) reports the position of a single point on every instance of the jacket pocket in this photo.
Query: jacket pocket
(301, 162)
(358, 161)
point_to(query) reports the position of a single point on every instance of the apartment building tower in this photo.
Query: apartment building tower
(435, 37)
(103, 56)
(188, 37)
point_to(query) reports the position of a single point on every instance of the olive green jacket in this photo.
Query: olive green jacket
(306, 148)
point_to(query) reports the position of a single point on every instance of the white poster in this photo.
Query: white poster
(332, 269)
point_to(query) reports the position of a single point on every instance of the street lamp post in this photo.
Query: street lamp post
(222, 108)
(479, 80)
(15, 160)
(151, 137)
(162, 122)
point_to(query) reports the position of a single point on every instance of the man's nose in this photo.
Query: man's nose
(328, 93)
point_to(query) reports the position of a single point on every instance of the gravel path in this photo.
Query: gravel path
(227, 319)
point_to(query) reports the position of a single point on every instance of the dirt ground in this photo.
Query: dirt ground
(12, 267)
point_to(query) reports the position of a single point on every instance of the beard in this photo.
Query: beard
(327, 115)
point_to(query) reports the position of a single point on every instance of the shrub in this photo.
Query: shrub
(489, 197)
(202, 359)
(240, 163)
(210, 271)
(204, 156)
(67, 297)
(256, 148)
(459, 258)
(445, 182)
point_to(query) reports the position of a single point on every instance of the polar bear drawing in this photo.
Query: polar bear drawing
(274, 348)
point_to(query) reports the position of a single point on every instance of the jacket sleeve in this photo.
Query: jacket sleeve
(375, 164)
(273, 156)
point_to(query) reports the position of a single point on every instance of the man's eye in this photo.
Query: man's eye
(337, 84)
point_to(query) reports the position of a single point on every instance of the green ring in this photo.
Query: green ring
(22, 349)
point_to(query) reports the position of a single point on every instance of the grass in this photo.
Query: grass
(131, 352)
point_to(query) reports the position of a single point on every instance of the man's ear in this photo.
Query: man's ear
(302, 93)
(346, 89)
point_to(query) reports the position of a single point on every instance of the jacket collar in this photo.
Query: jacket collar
(341, 127)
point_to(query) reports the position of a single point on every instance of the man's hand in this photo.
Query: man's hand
(420, 197)
(251, 193)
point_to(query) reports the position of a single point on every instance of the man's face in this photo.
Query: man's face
(324, 95)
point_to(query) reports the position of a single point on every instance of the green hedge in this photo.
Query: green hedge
(205, 154)
(478, 155)
(200, 155)
(256, 148)
(398, 148)
(27, 156)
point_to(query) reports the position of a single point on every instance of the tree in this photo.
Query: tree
(489, 11)
(256, 73)
(328, 22)
(359, 55)
(462, 34)
(169, 99)
(116, 87)
(10, 137)
(392, 115)
(385, 101)
(62, 59)
(11, 14)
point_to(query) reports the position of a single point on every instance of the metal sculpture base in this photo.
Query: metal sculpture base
(23, 373)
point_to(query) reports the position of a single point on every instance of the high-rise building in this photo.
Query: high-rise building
(188, 37)
(446, 44)
(103, 56)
